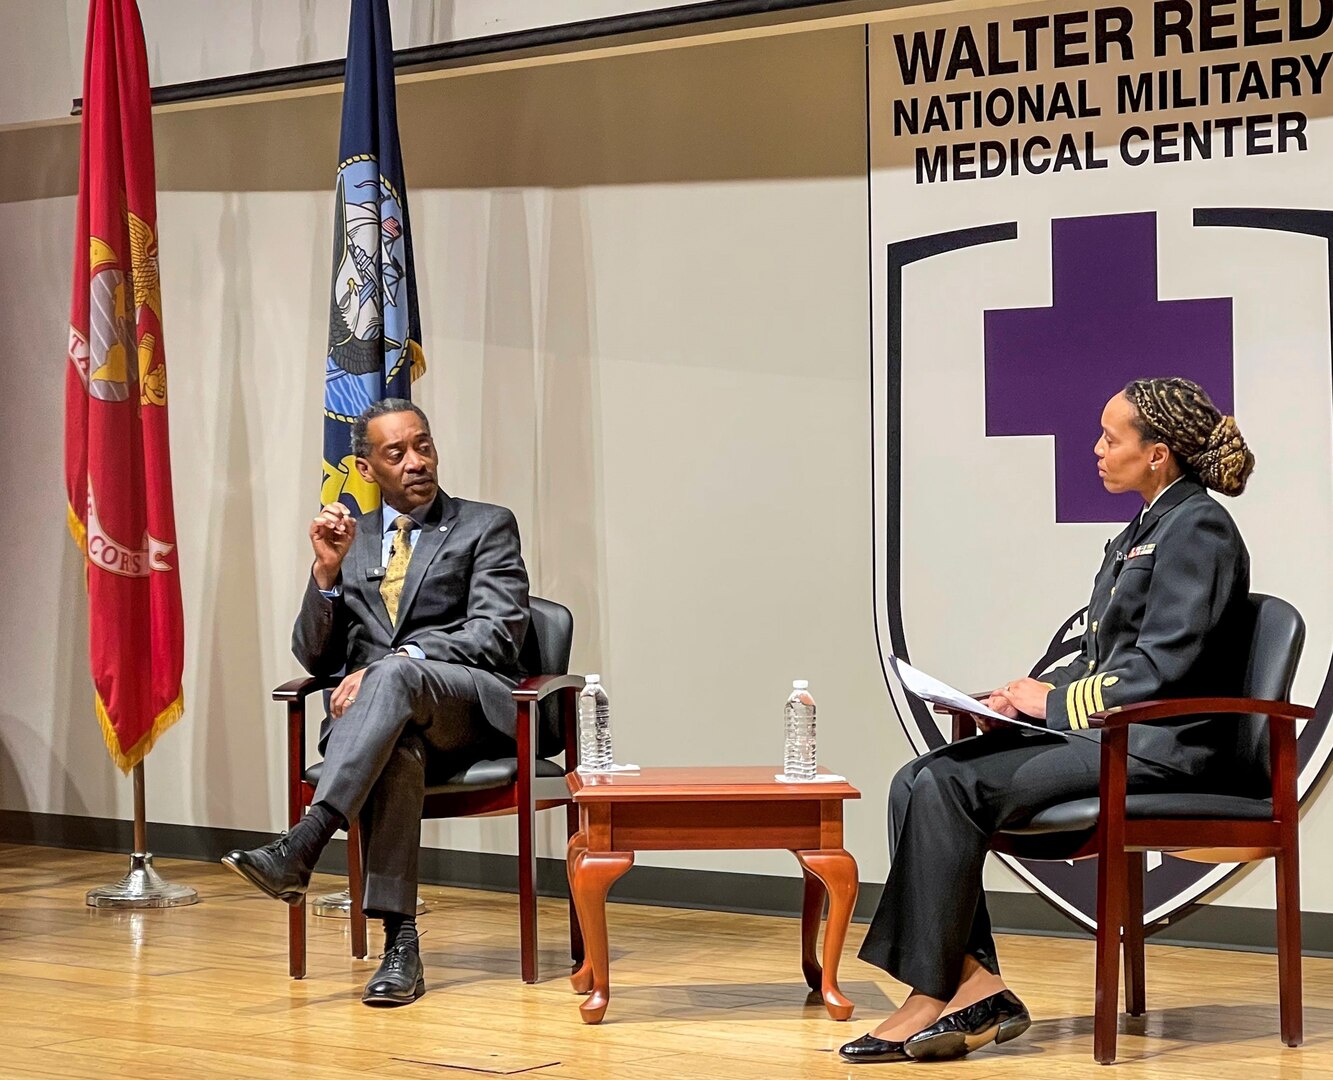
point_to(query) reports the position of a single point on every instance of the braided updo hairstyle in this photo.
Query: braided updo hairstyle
(1207, 444)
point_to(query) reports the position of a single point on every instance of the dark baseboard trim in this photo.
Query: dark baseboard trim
(1203, 925)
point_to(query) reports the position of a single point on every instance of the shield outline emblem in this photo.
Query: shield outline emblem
(1314, 752)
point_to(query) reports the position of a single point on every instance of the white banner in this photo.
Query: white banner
(1063, 199)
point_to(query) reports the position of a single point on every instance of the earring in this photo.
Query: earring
(1153, 467)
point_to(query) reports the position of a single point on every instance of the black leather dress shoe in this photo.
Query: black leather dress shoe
(399, 979)
(998, 1019)
(869, 1048)
(272, 869)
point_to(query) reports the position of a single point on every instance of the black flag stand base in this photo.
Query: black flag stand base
(142, 886)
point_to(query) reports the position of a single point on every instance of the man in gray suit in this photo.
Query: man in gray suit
(425, 604)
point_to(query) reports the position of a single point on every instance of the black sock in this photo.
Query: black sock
(400, 930)
(308, 837)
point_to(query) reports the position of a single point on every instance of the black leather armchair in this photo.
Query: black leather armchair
(1259, 820)
(546, 703)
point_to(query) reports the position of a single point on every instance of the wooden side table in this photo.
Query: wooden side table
(711, 808)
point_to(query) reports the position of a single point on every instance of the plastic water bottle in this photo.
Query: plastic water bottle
(798, 758)
(595, 754)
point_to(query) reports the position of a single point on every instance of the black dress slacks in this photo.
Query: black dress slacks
(943, 809)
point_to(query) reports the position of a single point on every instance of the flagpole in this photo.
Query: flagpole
(140, 813)
(135, 620)
(142, 886)
(371, 156)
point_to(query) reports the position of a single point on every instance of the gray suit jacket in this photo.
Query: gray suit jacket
(464, 601)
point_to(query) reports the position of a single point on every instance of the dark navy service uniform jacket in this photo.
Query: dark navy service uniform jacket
(1169, 617)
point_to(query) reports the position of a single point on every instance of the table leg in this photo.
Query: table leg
(594, 873)
(581, 978)
(812, 912)
(836, 869)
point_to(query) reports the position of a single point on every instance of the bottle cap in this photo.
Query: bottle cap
(588, 680)
(800, 684)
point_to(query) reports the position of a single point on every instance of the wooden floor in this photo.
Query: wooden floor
(202, 993)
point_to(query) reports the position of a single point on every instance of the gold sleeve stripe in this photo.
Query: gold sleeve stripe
(1078, 700)
(1083, 697)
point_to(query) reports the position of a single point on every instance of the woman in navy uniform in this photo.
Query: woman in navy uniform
(1167, 618)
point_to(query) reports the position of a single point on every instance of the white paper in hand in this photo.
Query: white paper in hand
(928, 688)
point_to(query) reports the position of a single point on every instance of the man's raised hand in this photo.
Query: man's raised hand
(331, 534)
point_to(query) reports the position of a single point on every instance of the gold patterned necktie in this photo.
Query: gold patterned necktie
(391, 588)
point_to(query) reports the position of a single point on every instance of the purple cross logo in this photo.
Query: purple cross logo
(1050, 370)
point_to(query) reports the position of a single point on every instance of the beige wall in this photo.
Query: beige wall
(644, 297)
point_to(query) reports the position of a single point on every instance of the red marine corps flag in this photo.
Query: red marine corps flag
(117, 462)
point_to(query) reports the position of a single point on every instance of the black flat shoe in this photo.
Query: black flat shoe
(997, 1019)
(868, 1048)
(399, 980)
(272, 869)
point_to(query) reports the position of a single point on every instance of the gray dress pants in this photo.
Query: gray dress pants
(408, 715)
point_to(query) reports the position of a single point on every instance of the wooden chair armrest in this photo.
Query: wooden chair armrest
(296, 689)
(1283, 763)
(1281, 711)
(539, 687)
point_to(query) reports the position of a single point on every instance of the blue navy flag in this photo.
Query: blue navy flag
(374, 325)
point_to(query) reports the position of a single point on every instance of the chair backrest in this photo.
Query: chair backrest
(1275, 652)
(550, 638)
(546, 651)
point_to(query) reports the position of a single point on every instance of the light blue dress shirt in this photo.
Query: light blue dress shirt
(388, 515)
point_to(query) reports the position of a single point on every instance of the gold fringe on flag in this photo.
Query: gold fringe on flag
(126, 760)
(77, 529)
